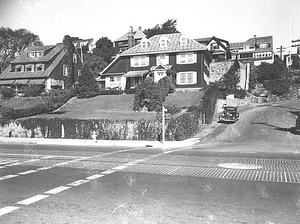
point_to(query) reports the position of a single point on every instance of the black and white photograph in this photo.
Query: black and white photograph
(149, 112)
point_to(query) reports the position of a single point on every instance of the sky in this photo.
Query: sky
(232, 20)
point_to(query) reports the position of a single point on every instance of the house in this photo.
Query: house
(218, 48)
(156, 56)
(128, 40)
(43, 65)
(255, 50)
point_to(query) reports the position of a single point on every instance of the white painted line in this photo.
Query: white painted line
(1, 167)
(33, 199)
(78, 182)
(119, 167)
(8, 162)
(45, 168)
(61, 164)
(47, 157)
(93, 177)
(28, 172)
(14, 164)
(32, 160)
(8, 177)
(57, 190)
(108, 171)
(7, 209)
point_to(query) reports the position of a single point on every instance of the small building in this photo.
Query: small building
(155, 57)
(129, 40)
(217, 47)
(255, 50)
(43, 65)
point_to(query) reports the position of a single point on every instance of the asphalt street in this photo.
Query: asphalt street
(69, 184)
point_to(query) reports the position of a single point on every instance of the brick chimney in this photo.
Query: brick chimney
(130, 38)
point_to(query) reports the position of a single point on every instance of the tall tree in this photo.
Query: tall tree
(94, 62)
(105, 49)
(13, 42)
(87, 85)
(167, 27)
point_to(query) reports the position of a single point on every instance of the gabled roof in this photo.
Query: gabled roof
(138, 34)
(173, 46)
(54, 50)
(7, 74)
(252, 41)
(207, 40)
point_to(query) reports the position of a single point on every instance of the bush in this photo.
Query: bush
(33, 90)
(111, 91)
(277, 87)
(7, 93)
(87, 85)
(7, 112)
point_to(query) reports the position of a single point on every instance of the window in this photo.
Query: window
(246, 55)
(29, 68)
(111, 79)
(39, 67)
(186, 58)
(144, 43)
(65, 70)
(183, 40)
(79, 72)
(31, 54)
(163, 42)
(39, 54)
(74, 58)
(185, 78)
(162, 59)
(139, 61)
(214, 46)
(35, 54)
(114, 82)
(19, 68)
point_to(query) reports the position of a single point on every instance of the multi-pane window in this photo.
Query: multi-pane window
(139, 61)
(39, 67)
(35, 54)
(65, 70)
(29, 68)
(162, 59)
(185, 78)
(19, 68)
(79, 72)
(114, 82)
(186, 58)
(183, 40)
(74, 58)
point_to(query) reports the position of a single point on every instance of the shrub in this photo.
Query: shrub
(277, 87)
(87, 85)
(111, 91)
(7, 93)
(7, 112)
(33, 90)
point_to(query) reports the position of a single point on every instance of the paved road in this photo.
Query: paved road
(34, 179)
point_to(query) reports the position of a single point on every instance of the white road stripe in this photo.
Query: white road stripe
(32, 160)
(7, 209)
(57, 190)
(93, 177)
(8, 162)
(78, 182)
(108, 171)
(14, 164)
(28, 172)
(45, 168)
(33, 199)
(8, 177)
(1, 167)
(121, 167)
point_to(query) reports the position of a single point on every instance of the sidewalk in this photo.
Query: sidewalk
(90, 142)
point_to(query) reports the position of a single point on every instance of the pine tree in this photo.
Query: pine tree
(86, 86)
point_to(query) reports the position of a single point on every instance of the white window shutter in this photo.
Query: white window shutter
(178, 78)
(195, 57)
(107, 82)
(194, 77)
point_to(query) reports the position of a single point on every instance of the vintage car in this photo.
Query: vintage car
(229, 114)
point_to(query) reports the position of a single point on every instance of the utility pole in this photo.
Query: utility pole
(281, 51)
(163, 123)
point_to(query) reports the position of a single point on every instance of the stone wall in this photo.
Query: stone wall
(218, 69)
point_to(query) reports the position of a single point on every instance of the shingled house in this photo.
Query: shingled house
(157, 55)
(42, 65)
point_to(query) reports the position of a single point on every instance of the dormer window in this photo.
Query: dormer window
(144, 43)
(183, 40)
(19, 68)
(163, 42)
(35, 54)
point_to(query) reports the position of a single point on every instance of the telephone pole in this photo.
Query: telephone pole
(281, 51)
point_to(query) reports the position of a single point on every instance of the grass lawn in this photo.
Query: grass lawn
(112, 107)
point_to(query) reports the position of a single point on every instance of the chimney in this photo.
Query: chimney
(140, 28)
(130, 38)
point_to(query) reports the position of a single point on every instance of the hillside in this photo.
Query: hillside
(118, 107)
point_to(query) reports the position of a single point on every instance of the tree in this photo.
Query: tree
(105, 49)
(87, 85)
(94, 62)
(13, 42)
(167, 27)
(69, 58)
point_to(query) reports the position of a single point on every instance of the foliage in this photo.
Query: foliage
(229, 82)
(33, 90)
(274, 77)
(111, 91)
(13, 42)
(130, 91)
(151, 95)
(87, 85)
(69, 59)
(296, 62)
(7, 93)
(105, 49)
(167, 27)
(94, 62)
(173, 109)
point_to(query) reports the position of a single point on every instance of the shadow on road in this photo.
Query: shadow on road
(292, 130)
